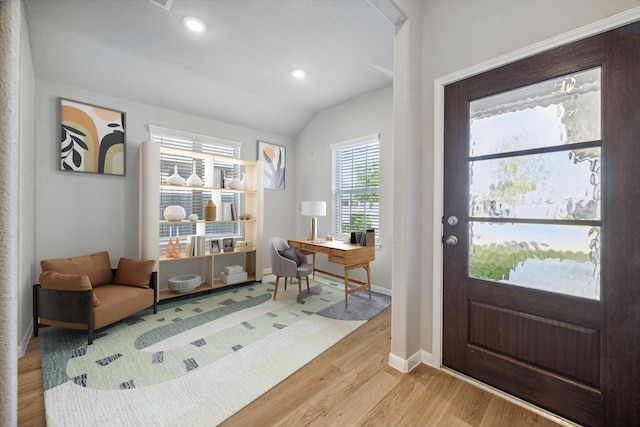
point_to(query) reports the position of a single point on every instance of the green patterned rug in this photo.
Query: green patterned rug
(198, 360)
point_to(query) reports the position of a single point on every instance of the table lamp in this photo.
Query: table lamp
(314, 209)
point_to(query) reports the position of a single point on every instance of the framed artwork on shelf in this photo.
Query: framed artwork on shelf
(92, 139)
(227, 244)
(274, 157)
(215, 246)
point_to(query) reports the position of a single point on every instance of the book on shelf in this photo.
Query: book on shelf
(218, 177)
(195, 246)
(229, 211)
(234, 212)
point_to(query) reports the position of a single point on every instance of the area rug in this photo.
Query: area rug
(198, 360)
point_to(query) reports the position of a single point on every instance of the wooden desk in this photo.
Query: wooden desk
(347, 255)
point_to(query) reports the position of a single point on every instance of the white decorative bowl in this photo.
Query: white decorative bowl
(184, 283)
(174, 213)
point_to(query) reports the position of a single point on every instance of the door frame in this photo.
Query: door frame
(601, 26)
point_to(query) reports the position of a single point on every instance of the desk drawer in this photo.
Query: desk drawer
(315, 248)
(351, 257)
(297, 245)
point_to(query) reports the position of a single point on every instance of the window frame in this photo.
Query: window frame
(344, 186)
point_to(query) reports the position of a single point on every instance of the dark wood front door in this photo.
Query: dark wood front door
(542, 228)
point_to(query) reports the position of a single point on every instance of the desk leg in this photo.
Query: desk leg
(314, 265)
(346, 286)
(366, 267)
(362, 286)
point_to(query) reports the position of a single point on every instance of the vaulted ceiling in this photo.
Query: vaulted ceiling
(238, 71)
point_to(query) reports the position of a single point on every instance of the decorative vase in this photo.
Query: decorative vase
(170, 246)
(210, 211)
(177, 248)
(236, 184)
(194, 180)
(174, 213)
(175, 179)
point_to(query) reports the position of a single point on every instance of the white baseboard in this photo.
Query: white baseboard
(24, 342)
(406, 365)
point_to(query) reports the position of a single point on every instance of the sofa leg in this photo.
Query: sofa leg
(90, 337)
(155, 307)
(35, 326)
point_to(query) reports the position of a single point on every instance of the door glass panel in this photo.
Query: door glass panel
(524, 169)
(558, 185)
(560, 111)
(559, 258)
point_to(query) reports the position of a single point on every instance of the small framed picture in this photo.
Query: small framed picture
(274, 157)
(215, 246)
(227, 245)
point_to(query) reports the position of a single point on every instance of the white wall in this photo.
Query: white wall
(458, 34)
(27, 173)
(80, 213)
(363, 116)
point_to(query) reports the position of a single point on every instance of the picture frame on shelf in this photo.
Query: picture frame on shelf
(214, 246)
(227, 244)
(92, 138)
(275, 161)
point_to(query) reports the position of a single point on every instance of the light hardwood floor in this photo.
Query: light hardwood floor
(351, 384)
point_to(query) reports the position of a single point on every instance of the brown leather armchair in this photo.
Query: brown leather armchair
(85, 293)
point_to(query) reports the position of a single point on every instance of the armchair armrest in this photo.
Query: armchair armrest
(288, 267)
(63, 306)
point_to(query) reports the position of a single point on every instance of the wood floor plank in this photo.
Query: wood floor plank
(303, 415)
(470, 405)
(287, 396)
(351, 409)
(318, 393)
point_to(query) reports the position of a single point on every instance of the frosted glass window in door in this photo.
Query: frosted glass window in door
(557, 185)
(558, 258)
(565, 110)
(534, 202)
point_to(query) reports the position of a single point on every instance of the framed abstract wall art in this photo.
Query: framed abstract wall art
(274, 157)
(92, 138)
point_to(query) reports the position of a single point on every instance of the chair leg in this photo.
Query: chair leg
(275, 292)
(308, 290)
(285, 283)
(299, 289)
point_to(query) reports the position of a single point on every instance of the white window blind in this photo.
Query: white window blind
(190, 199)
(355, 186)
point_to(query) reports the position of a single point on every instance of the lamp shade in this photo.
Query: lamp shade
(314, 208)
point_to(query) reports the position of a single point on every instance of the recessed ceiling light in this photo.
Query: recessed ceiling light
(299, 73)
(194, 24)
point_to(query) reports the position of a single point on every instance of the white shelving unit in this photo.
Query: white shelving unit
(210, 265)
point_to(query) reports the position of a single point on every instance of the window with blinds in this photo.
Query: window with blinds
(355, 186)
(193, 200)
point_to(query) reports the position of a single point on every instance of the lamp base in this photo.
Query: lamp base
(314, 228)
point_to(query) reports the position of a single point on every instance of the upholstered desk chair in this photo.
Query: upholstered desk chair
(286, 262)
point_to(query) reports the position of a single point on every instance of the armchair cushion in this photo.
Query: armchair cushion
(291, 254)
(67, 282)
(134, 272)
(97, 266)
